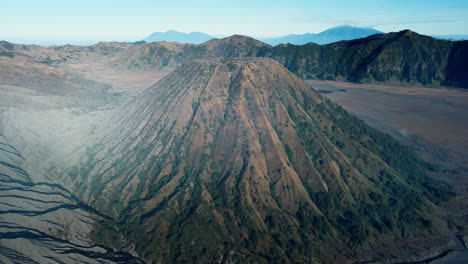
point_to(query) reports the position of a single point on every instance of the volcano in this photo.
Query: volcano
(239, 160)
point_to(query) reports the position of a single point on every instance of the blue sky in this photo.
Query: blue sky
(135, 19)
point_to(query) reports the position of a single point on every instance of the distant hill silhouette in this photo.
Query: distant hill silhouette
(451, 37)
(175, 36)
(328, 36)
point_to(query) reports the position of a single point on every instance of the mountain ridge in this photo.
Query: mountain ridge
(399, 57)
(402, 57)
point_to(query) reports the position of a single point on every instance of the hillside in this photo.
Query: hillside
(56, 55)
(245, 153)
(156, 55)
(24, 72)
(403, 57)
(325, 37)
(457, 69)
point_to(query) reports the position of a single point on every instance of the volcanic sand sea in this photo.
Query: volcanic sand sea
(435, 120)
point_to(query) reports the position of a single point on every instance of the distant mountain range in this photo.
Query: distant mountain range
(175, 36)
(452, 37)
(325, 37)
(328, 36)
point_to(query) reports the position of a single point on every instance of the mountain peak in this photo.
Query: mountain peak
(411, 34)
(238, 37)
(348, 28)
(149, 55)
(407, 32)
(237, 40)
(344, 26)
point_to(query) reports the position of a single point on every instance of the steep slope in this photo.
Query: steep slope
(403, 57)
(457, 70)
(239, 160)
(325, 37)
(174, 36)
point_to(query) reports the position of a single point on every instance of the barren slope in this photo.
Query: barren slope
(245, 153)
